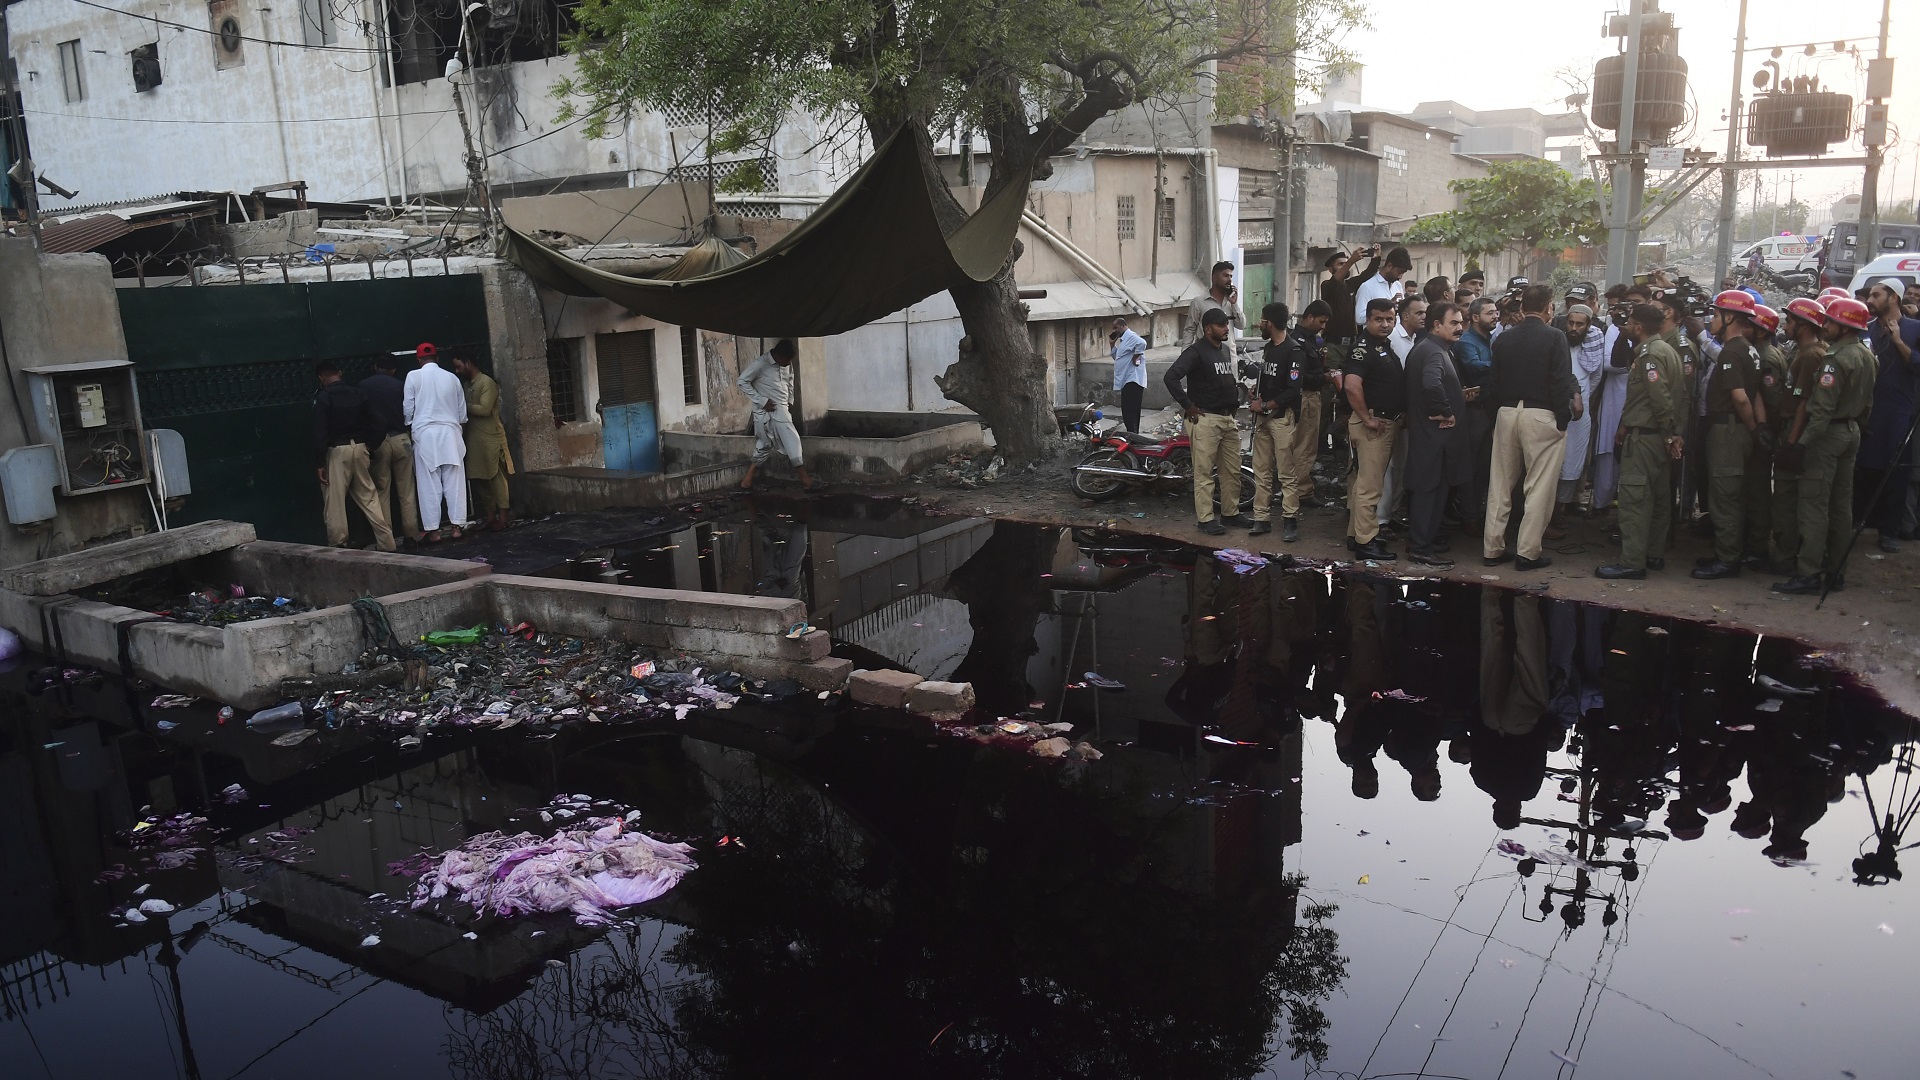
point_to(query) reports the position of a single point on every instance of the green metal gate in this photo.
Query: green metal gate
(231, 368)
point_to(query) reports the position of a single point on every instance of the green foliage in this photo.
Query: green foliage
(1517, 206)
(1040, 70)
(1771, 219)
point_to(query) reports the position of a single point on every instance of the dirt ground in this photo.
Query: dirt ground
(1872, 627)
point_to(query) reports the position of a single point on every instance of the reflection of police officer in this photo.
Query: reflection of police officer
(1510, 748)
(1650, 440)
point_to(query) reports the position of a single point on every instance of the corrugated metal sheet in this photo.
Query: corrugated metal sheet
(83, 234)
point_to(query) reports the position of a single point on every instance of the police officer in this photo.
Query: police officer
(1805, 355)
(1828, 434)
(1650, 441)
(1735, 418)
(1277, 420)
(1762, 480)
(1376, 387)
(1309, 431)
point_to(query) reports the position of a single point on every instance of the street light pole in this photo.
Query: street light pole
(1879, 79)
(1730, 178)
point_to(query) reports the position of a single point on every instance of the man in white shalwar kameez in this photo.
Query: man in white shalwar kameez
(435, 403)
(768, 384)
(1589, 354)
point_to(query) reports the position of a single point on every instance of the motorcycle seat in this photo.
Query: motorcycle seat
(1143, 440)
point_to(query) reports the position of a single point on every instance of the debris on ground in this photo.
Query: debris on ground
(591, 866)
(159, 843)
(204, 605)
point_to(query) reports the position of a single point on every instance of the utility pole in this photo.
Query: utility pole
(1281, 289)
(1629, 171)
(1729, 176)
(1879, 89)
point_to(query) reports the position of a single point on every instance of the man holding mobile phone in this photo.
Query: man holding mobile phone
(1223, 295)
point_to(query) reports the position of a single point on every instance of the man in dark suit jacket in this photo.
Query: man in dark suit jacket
(1532, 383)
(1439, 455)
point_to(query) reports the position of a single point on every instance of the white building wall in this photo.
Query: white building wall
(287, 112)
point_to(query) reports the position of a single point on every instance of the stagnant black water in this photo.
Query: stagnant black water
(1344, 826)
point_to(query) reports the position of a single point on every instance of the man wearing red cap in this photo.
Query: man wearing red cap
(1735, 417)
(1829, 431)
(435, 403)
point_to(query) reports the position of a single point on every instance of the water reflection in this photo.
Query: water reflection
(1498, 771)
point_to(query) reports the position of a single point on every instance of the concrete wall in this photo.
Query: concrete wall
(322, 116)
(58, 309)
(832, 457)
(1416, 165)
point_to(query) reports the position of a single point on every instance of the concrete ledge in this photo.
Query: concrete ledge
(886, 689)
(97, 565)
(595, 609)
(553, 491)
(327, 576)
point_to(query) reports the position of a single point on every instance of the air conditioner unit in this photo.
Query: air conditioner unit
(146, 67)
(90, 414)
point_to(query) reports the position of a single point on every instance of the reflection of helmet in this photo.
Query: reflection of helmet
(1766, 318)
(1849, 312)
(1737, 301)
(1755, 293)
(1807, 310)
(1834, 290)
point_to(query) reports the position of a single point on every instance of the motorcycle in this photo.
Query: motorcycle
(1127, 459)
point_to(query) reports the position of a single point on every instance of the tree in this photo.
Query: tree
(1771, 219)
(1519, 206)
(1030, 76)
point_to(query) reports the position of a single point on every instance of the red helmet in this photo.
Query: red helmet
(1834, 290)
(1735, 300)
(1825, 300)
(1847, 311)
(1808, 311)
(1766, 318)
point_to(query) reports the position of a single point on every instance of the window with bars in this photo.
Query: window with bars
(1167, 216)
(1126, 217)
(563, 378)
(624, 362)
(691, 380)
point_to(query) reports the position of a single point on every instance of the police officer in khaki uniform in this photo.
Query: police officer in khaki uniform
(1829, 435)
(1762, 480)
(1650, 442)
(1276, 407)
(1736, 416)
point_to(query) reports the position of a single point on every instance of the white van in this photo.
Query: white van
(1781, 253)
(1905, 268)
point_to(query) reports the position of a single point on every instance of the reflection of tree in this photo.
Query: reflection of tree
(1005, 596)
(938, 911)
(1015, 923)
(606, 1015)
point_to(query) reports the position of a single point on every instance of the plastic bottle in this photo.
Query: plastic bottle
(278, 718)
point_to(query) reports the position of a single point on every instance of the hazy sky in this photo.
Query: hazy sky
(1506, 54)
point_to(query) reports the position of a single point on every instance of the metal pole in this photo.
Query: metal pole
(1623, 243)
(1730, 179)
(1870, 184)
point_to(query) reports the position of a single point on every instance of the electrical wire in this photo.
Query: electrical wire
(158, 21)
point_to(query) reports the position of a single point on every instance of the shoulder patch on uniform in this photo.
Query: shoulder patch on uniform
(1766, 380)
(1653, 373)
(1726, 367)
(1826, 377)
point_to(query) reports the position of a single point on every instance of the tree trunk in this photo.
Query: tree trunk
(998, 373)
(1005, 593)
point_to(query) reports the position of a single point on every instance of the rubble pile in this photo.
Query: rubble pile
(206, 605)
(517, 676)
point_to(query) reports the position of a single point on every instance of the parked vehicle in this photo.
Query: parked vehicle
(1127, 460)
(1840, 259)
(1781, 254)
(1791, 282)
(1904, 267)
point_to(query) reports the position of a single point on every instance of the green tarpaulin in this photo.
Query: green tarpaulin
(870, 250)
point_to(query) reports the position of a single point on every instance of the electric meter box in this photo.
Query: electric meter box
(90, 414)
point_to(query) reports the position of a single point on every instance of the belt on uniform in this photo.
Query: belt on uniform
(1655, 433)
(1523, 403)
(1389, 417)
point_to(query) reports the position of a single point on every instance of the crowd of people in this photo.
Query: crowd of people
(405, 444)
(1779, 431)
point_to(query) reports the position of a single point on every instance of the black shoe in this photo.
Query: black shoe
(1889, 545)
(1351, 546)
(1497, 559)
(1289, 530)
(1540, 563)
(1617, 572)
(1715, 570)
(1836, 582)
(1213, 528)
(1387, 530)
(1434, 561)
(1705, 560)
(1376, 551)
(1260, 528)
(1657, 563)
(1808, 585)
(1239, 521)
(1760, 564)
